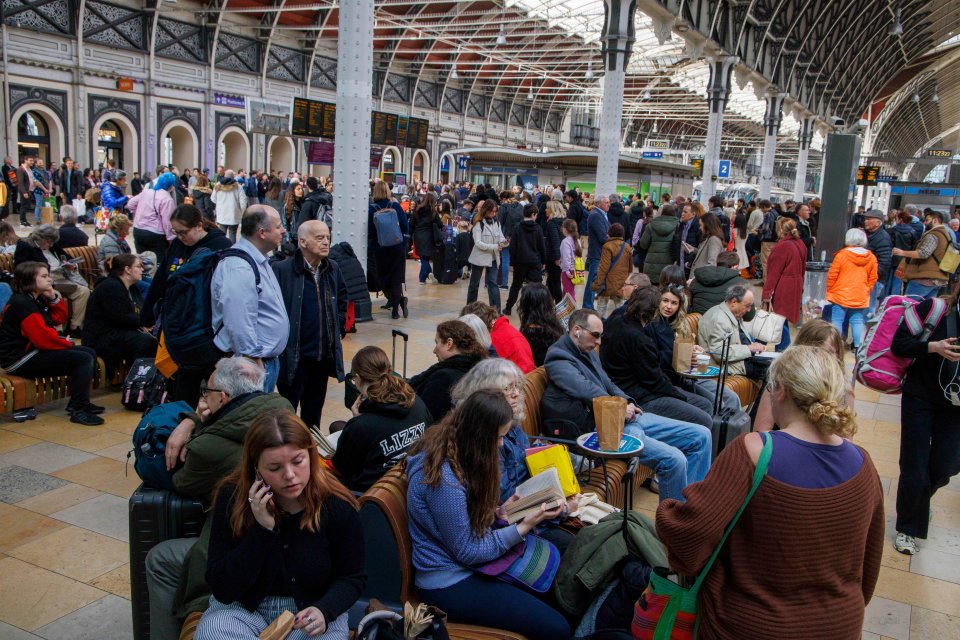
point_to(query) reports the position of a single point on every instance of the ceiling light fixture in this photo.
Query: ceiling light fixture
(935, 98)
(590, 69)
(915, 97)
(453, 74)
(897, 28)
(502, 36)
(647, 95)
(530, 94)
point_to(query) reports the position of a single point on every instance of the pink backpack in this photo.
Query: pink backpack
(877, 367)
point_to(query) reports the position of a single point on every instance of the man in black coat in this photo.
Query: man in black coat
(616, 214)
(879, 242)
(576, 212)
(315, 296)
(70, 182)
(528, 254)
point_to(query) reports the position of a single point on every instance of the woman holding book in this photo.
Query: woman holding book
(500, 375)
(452, 505)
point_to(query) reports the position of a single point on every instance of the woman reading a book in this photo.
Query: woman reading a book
(452, 505)
(286, 536)
(500, 375)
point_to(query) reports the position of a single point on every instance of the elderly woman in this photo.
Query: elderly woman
(42, 245)
(849, 282)
(70, 234)
(151, 216)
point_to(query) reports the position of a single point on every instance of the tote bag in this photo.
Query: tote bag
(579, 271)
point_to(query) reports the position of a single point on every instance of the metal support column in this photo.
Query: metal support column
(771, 127)
(804, 137)
(351, 156)
(718, 91)
(618, 38)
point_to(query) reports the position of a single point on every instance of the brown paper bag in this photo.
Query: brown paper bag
(46, 215)
(609, 413)
(683, 354)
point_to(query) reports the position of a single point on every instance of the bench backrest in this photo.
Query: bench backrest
(383, 512)
(534, 386)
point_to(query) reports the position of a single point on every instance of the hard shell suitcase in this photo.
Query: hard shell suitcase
(728, 423)
(155, 515)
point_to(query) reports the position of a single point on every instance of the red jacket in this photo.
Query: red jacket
(511, 344)
(783, 281)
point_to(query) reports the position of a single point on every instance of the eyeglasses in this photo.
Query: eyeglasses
(205, 390)
(181, 234)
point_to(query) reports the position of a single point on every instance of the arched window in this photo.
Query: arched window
(33, 136)
(109, 144)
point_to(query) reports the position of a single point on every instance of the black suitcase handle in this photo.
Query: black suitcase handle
(393, 356)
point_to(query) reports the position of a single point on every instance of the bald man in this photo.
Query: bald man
(315, 297)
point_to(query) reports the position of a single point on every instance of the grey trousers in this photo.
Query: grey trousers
(708, 389)
(164, 568)
(234, 622)
(694, 408)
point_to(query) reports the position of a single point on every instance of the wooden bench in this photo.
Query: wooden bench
(18, 393)
(610, 489)
(745, 388)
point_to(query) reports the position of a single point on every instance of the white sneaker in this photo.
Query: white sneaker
(432, 279)
(906, 544)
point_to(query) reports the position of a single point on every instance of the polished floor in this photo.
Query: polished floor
(64, 488)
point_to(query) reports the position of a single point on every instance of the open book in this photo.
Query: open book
(326, 445)
(543, 487)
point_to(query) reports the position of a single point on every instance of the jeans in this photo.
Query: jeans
(37, 207)
(929, 457)
(78, 363)
(230, 230)
(915, 288)
(708, 389)
(164, 569)
(522, 273)
(894, 285)
(308, 389)
(593, 265)
(679, 452)
(272, 368)
(493, 291)
(875, 295)
(785, 340)
(503, 278)
(838, 314)
(486, 601)
(425, 269)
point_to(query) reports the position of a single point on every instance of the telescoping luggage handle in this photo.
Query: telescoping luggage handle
(722, 378)
(393, 356)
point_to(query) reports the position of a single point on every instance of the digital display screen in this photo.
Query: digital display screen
(307, 120)
(867, 175)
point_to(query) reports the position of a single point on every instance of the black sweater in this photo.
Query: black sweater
(112, 311)
(930, 372)
(433, 385)
(323, 569)
(631, 359)
(526, 244)
(377, 439)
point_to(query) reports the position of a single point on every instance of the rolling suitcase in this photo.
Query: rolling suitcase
(728, 423)
(155, 515)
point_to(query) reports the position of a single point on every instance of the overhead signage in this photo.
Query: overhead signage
(124, 84)
(462, 162)
(723, 170)
(939, 153)
(657, 144)
(320, 153)
(867, 175)
(225, 100)
(376, 154)
(887, 178)
(653, 155)
(697, 164)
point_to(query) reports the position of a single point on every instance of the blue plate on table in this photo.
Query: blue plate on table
(628, 444)
(711, 372)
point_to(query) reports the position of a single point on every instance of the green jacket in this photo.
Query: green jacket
(214, 448)
(592, 560)
(657, 241)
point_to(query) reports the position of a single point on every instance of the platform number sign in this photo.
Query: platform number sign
(723, 170)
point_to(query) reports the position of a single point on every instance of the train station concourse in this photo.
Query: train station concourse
(529, 310)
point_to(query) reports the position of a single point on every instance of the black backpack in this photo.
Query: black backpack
(768, 230)
(144, 386)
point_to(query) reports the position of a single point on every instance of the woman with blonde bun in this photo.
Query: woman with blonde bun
(809, 543)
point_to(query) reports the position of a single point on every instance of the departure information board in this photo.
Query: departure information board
(316, 119)
(307, 118)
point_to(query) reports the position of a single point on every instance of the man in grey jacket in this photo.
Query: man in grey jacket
(679, 452)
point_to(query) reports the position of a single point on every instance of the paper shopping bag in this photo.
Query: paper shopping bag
(683, 354)
(609, 413)
(555, 456)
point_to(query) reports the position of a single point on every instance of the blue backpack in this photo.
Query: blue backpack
(187, 317)
(387, 225)
(150, 443)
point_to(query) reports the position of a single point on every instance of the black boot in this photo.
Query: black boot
(403, 306)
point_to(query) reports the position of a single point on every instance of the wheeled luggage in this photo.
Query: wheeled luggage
(728, 422)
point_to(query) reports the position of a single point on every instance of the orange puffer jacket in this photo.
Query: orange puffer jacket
(851, 277)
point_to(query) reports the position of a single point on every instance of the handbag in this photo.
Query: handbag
(667, 611)
(579, 271)
(766, 327)
(531, 564)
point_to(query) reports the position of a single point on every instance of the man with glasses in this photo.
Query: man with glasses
(726, 320)
(203, 449)
(679, 452)
(315, 297)
(633, 282)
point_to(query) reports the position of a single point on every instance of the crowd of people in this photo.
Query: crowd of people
(284, 532)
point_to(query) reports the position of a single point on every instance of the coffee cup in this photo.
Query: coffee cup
(703, 362)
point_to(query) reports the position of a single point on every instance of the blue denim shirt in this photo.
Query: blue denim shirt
(513, 462)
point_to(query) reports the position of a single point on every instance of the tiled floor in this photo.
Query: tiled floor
(63, 508)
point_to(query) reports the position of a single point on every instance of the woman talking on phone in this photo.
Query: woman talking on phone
(929, 421)
(285, 536)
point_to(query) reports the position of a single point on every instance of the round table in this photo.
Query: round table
(712, 373)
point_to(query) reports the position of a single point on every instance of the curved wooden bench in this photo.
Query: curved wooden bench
(534, 386)
(745, 388)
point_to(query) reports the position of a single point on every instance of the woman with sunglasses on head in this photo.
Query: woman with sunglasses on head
(452, 498)
(285, 536)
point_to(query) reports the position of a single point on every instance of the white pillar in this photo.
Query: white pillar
(771, 127)
(805, 137)
(718, 91)
(351, 156)
(618, 37)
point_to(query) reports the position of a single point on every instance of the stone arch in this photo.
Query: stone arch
(281, 154)
(131, 140)
(236, 148)
(420, 164)
(55, 128)
(186, 145)
(397, 156)
(451, 167)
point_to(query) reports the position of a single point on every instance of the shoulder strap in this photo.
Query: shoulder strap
(619, 253)
(925, 328)
(231, 252)
(758, 474)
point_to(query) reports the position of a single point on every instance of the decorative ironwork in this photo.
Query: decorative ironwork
(518, 115)
(498, 111)
(452, 101)
(180, 41)
(224, 119)
(553, 122)
(50, 16)
(114, 26)
(166, 113)
(237, 53)
(426, 95)
(477, 105)
(285, 64)
(54, 100)
(324, 74)
(396, 88)
(99, 105)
